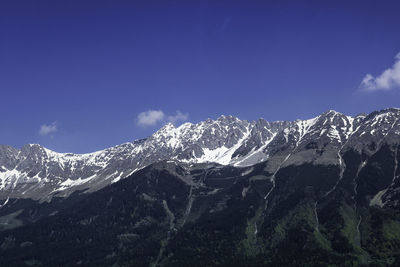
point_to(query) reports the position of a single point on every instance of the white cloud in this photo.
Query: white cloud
(154, 117)
(389, 79)
(48, 129)
(179, 116)
(150, 117)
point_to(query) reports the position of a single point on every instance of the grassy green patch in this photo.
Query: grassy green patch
(391, 230)
(350, 218)
(249, 245)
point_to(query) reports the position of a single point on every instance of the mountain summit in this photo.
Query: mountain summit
(318, 192)
(39, 173)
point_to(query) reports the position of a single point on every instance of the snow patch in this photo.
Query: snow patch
(377, 199)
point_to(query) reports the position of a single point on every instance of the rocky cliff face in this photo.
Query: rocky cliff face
(323, 191)
(36, 172)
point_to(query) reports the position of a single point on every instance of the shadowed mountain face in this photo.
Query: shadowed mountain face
(34, 172)
(320, 192)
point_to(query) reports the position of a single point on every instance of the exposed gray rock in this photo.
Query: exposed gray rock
(39, 173)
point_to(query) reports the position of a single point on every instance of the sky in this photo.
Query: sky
(80, 76)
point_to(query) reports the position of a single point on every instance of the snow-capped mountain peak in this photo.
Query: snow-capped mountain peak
(35, 171)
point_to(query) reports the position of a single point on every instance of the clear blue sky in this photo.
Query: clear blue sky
(75, 75)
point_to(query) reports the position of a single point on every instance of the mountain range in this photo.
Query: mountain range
(228, 192)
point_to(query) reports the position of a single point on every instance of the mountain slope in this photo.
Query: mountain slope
(318, 192)
(172, 213)
(38, 173)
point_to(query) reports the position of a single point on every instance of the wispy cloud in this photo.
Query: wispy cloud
(153, 117)
(48, 129)
(150, 117)
(179, 116)
(388, 80)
